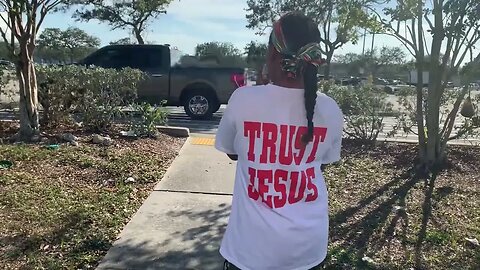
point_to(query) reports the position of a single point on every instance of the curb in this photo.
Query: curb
(474, 142)
(179, 132)
(168, 172)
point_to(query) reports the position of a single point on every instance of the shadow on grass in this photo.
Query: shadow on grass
(195, 247)
(60, 247)
(357, 227)
(427, 214)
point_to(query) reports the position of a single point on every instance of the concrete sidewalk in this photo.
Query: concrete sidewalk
(181, 224)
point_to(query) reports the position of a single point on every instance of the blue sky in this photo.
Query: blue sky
(187, 23)
(190, 22)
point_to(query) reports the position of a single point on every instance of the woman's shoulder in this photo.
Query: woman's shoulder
(328, 105)
(246, 92)
(325, 100)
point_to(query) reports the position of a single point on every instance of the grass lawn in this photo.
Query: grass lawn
(382, 217)
(62, 209)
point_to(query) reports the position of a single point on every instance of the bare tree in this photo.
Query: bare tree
(23, 19)
(454, 26)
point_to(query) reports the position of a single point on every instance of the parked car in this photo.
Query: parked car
(200, 89)
(380, 81)
(7, 64)
(475, 86)
(395, 89)
(321, 77)
(352, 81)
(390, 89)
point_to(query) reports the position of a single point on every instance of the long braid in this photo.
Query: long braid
(310, 82)
(296, 37)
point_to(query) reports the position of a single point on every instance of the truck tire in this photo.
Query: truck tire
(200, 105)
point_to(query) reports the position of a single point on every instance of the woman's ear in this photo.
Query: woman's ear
(274, 62)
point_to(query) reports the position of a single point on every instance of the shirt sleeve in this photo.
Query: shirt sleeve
(227, 131)
(334, 152)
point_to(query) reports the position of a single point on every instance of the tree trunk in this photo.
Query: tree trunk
(29, 119)
(72, 50)
(326, 73)
(450, 121)
(138, 35)
(434, 155)
(435, 92)
(422, 144)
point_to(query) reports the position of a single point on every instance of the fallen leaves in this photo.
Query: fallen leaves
(64, 208)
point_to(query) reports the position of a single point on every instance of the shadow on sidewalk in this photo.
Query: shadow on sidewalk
(204, 240)
(196, 247)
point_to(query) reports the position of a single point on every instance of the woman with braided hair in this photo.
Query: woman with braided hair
(281, 134)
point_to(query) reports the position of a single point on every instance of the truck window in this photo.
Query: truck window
(111, 58)
(147, 59)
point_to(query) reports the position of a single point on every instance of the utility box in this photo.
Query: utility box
(413, 77)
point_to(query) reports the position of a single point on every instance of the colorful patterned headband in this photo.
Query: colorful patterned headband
(295, 62)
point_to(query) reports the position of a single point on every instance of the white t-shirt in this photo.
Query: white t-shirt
(279, 217)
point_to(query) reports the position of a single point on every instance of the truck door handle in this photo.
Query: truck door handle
(157, 75)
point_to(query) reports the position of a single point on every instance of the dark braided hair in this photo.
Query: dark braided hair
(298, 31)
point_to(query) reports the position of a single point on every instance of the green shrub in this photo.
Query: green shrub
(469, 127)
(58, 88)
(150, 117)
(364, 109)
(97, 94)
(108, 90)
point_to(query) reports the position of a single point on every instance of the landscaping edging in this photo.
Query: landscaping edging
(178, 132)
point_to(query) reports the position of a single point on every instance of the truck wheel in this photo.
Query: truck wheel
(200, 105)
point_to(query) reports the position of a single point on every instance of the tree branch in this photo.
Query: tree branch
(10, 47)
(43, 14)
(31, 23)
(459, 44)
(29, 6)
(413, 33)
(44, 11)
(17, 18)
(6, 22)
(121, 22)
(338, 45)
(429, 22)
(475, 38)
(415, 50)
(450, 121)
(404, 40)
(463, 130)
(53, 5)
(425, 44)
(145, 17)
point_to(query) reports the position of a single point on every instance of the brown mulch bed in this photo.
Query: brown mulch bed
(63, 208)
(383, 217)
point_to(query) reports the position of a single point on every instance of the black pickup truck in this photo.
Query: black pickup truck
(199, 87)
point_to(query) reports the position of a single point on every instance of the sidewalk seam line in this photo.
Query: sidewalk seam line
(193, 192)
